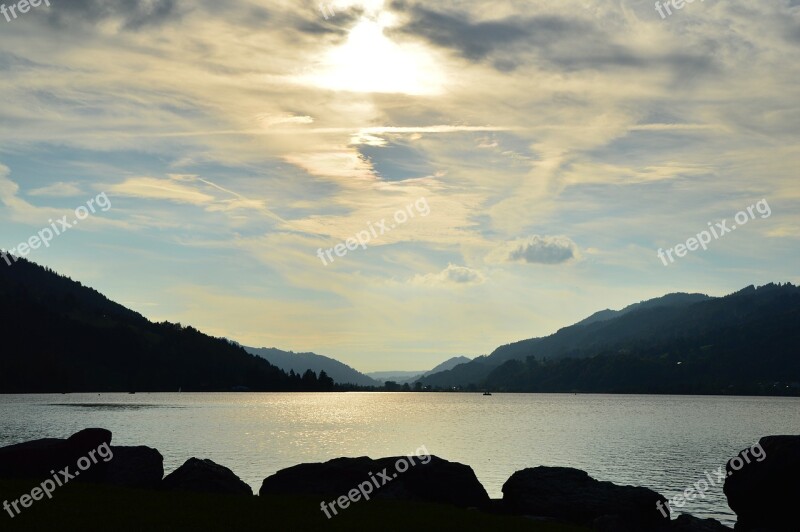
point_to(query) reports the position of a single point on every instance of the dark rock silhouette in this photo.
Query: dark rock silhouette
(134, 467)
(205, 476)
(88, 439)
(438, 481)
(35, 459)
(572, 495)
(764, 494)
(762, 491)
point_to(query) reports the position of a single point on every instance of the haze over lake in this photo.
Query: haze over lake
(662, 442)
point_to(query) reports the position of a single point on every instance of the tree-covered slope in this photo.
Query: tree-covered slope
(60, 336)
(746, 342)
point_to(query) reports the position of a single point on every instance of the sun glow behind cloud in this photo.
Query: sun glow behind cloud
(371, 62)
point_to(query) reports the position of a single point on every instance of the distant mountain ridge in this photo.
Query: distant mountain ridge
(450, 363)
(396, 376)
(745, 342)
(301, 362)
(402, 377)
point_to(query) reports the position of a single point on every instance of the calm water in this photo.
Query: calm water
(662, 442)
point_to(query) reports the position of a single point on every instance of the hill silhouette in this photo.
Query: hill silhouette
(301, 362)
(60, 336)
(743, 343)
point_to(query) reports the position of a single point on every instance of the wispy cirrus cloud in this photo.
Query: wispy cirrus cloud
(59, 189)
(161, 189)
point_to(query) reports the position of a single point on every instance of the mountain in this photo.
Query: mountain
(673, 300)
(60, 336)
(578, 334)
(301, 362)
(450, 363)
(396, 376)
(403, 377)
(743, 343)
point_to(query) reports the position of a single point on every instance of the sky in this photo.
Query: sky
(510, 167)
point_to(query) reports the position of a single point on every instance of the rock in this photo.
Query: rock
(134, 467)
(88, 439)
(207, 477)
(573, 496)
(438, 481)
(763, 493)
(688, 523)
(35, 459)
(137, 467)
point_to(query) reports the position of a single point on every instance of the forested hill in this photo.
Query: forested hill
(744, 343)
(302, 362)
(60, 336)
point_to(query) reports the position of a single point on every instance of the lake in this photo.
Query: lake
(662, 442)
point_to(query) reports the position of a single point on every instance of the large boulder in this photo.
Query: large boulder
(35, 459)
(573, 496)
(763, 485)
(437, 481)
(134, 467)
(207, 477)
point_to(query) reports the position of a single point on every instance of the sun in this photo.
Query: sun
(371, 62)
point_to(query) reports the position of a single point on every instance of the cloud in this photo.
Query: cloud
(475, 40)
(564, 40)
(59, 189)
(270, 119)
(153, 188)
(452, 275)
(21, 211)
(17, 209)
(541, 250)
(132, 15)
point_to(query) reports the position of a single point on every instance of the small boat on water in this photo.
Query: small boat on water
(487, 393)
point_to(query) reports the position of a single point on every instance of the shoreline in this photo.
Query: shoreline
(539, 498)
